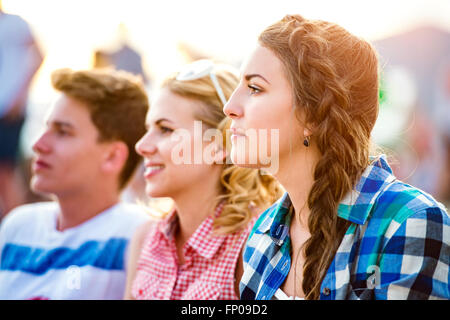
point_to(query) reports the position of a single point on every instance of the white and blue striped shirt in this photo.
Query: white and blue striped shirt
(84, 262)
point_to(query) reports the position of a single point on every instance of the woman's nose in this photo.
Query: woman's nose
(145, 145)
(233, 108)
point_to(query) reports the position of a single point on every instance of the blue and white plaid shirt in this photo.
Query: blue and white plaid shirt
(397, 246)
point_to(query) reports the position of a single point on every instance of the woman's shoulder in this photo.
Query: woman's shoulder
(142, 232)
(413, 229)
(401, 201)
(402, 212)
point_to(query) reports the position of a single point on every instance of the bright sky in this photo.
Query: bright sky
(69, 31)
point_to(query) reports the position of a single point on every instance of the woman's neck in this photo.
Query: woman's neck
(193, 205)
(296, 174)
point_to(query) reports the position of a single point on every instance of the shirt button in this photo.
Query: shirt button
(326, 291)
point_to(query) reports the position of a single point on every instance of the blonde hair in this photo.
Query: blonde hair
(242, 189)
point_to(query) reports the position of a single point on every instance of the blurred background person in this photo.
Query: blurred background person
(123, 57)
(416, 105)
(20, 58)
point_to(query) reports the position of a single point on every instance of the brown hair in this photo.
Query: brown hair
(242, 189)
(117, 103)
(334, 78)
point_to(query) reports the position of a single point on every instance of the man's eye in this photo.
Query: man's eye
(62, 133)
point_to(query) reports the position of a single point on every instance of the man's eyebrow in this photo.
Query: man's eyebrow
(61, 124)
(248, 77)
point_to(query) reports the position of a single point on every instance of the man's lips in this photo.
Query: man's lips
(40, 165)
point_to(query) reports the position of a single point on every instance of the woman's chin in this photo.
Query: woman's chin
(243, 161)
(154, 191)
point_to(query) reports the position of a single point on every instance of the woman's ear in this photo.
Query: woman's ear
(307, 132)
(309, 129)
(214, 154)
(220, 154)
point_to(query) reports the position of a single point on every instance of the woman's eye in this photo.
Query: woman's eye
(254, 89)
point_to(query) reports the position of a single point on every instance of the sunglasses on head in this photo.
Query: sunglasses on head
(199, 69)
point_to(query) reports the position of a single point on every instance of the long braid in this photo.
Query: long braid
(328, 68)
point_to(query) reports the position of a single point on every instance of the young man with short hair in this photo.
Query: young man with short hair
(76, 246)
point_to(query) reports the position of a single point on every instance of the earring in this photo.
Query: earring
(306, 141)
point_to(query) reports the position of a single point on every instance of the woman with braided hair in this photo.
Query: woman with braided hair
(346, 228)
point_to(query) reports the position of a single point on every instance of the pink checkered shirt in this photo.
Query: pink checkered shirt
(209, 269)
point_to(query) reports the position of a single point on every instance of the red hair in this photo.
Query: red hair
(334, 76)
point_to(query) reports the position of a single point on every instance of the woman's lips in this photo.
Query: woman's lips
(237, 133)
(234, 137)
(152, 169)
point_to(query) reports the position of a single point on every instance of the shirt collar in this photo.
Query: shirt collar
(168, 226)
(355, 207)
(279, 220)
(358, 203)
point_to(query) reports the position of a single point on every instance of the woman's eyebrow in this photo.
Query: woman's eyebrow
(161, 120)
(156, 123)
(248, 77)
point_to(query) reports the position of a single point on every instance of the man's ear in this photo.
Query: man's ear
(116, 155)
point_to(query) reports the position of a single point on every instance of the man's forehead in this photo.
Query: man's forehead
(60, 123)
(68, 114)
(66, 106)
(58, 115)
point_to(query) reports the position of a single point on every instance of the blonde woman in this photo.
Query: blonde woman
(195, 251)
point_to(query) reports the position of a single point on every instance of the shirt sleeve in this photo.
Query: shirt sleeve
(415, 261)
